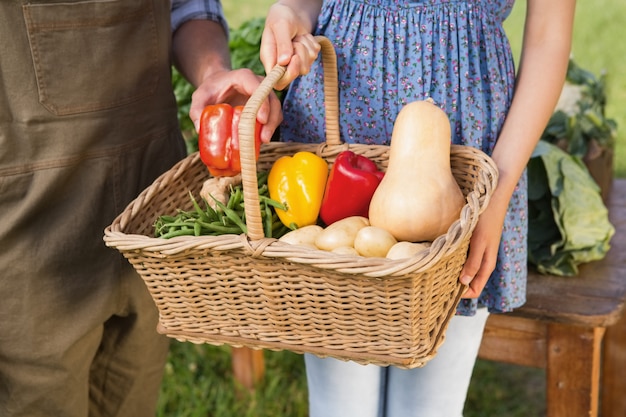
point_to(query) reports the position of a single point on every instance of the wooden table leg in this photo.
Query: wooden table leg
(248, 366)
(573, 370)
(515, 340)
(613, 389)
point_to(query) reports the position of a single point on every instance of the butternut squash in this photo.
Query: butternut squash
(418, 198)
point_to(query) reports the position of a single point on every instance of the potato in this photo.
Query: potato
(373, 242)
(345, 250)
(404, 249)
(303, 236)
(340, 233)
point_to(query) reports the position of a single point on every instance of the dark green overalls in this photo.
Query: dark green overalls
(87, 121)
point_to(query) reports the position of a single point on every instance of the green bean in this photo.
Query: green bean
(262, 179)
(211, 213)
(221, 229)
(180, 224)
(236, 196)
(223, 218)
(264, 190)
(271, 202)
(201, 213)
(232, 216)
(268, 221)
(180, 232)
(167, 219)
(276, 223)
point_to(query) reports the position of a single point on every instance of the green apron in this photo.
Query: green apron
(87, 121)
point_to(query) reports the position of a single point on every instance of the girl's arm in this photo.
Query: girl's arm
(287, 38)
(543, 66)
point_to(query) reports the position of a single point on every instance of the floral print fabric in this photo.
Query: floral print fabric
(392, 52)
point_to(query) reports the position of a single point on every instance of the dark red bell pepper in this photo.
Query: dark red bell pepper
(351, 184)
(218, 139)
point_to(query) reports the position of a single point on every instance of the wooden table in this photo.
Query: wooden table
(570, 326)
(574, 328)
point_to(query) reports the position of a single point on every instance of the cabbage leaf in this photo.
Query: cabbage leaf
(568, 221)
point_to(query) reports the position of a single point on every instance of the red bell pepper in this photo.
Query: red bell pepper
(351, 184)
(218, 139)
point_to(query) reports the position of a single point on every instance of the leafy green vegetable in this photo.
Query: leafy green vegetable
(568, 221)
(580, 117)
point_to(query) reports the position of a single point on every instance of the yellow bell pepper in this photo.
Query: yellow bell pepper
(298, 182)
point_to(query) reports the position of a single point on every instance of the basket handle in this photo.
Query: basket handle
(247, 123)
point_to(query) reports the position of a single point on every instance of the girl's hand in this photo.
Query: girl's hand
(483, 249)
(542, 70)
(287, 40)
(235, 87)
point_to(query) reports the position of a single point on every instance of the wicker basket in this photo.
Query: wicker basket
(248, 290)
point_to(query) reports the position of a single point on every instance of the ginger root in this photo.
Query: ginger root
(218, 188)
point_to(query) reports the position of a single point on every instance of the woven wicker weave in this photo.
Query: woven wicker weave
(248, 290)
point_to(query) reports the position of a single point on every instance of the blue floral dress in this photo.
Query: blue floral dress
(392, 52)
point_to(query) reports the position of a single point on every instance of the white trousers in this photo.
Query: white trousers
(347, 389)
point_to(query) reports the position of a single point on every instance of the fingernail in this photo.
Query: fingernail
(465, 279)
(266, 136)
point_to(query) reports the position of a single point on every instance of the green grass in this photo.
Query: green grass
(505, 390)
(199, 382)
(198, 378)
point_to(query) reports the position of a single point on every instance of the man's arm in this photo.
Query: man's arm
(201, 54)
